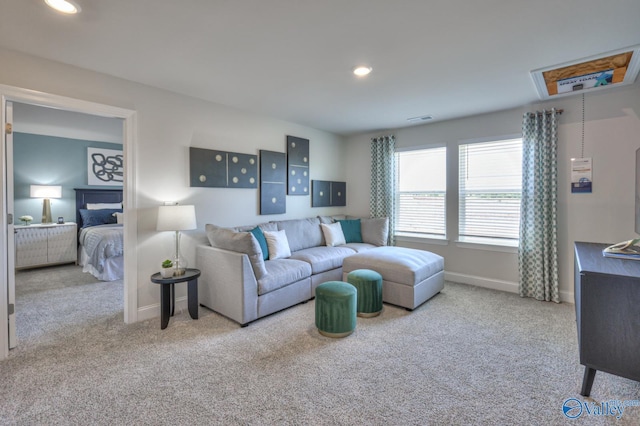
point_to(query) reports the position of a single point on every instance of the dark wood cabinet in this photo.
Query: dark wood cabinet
(607, 300)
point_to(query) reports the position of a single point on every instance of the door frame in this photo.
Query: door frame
(129, 143)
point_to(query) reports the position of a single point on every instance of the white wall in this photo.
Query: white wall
(168, 124)
(612, 135)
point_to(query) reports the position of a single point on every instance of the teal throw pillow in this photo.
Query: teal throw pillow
(351, 230)
(257, 232)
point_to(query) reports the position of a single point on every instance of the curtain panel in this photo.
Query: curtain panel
(538, 248)
(383, 181)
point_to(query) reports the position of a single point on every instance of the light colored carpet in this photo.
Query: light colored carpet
(467, 356)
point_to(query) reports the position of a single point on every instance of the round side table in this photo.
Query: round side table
(168, 296)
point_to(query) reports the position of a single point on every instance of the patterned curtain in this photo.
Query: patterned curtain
(538, 249)
(383, 181)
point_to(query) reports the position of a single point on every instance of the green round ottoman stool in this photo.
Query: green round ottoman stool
(336, 308)
(369, 286)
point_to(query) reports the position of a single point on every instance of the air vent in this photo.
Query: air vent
(422, 118)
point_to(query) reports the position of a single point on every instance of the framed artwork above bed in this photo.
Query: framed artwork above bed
(105, 167)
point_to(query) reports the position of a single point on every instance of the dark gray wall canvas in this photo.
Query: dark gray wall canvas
(321, 196)
(297, 166)
(221, 169)
(273, 176)
(338, 194)
(328, 194)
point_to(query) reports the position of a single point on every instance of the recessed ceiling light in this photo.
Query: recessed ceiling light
(362, 71)
(64, 6)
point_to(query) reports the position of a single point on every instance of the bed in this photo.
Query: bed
(100, 235)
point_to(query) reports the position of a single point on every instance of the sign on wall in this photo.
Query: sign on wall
(581, 175)
(105, 167)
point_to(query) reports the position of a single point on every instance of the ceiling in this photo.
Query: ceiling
(292, 59)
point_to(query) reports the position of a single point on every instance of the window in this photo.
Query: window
(421, 190)
(490, 183)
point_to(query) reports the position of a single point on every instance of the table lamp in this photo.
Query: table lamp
(177, 218)
(47, 192)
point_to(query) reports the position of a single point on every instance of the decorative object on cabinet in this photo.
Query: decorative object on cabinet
(26, 219)
(297, 166)
(328, 194)
(220, 169)
(44, 245)
(46, 192)
(105, 167)
(273, 181)
(177, 218)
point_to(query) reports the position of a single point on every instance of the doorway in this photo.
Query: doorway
(28, 97)
(53, 297)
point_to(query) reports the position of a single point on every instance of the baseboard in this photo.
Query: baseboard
(153, 311)
(508, 286)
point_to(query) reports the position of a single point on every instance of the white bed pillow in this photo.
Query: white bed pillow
(100, 206)
(119, 218)
(278, 244)
(333, 234)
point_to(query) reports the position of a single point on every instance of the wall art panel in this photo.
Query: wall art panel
(321, 196)
(328, 194)
(105, 167)
(297, 166)
(273, 181)
(221, 169)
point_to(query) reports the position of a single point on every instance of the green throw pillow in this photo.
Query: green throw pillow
(351, 230)
(257, 232)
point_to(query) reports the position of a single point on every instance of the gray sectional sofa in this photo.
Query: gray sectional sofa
(240, 281)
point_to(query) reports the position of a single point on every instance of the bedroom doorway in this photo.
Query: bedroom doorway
(127, 119)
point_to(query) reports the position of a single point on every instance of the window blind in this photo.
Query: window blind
(421, 192)
(490, 183)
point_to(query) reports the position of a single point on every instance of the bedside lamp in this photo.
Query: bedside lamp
(47, 192)
(177, 218)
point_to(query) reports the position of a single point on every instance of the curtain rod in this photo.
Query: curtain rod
(559, 111)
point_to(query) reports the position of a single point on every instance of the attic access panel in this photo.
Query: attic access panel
(610, 69)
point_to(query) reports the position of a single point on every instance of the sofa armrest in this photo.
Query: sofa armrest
(227, 283)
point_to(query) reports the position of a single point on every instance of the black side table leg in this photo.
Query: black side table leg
(173, 298)
(192, 292)
(587, 381)
(165, 308)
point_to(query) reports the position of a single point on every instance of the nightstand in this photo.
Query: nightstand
(45, 244)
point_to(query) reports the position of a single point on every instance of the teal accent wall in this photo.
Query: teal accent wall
(49, 160)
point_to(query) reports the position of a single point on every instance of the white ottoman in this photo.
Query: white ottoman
(410, 277)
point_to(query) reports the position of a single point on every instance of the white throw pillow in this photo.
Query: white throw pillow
(119, 218)
(278, 244)
(333, 234)
(100, 206)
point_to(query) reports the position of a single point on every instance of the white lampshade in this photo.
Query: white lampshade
(45, 191)
(176, 218)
